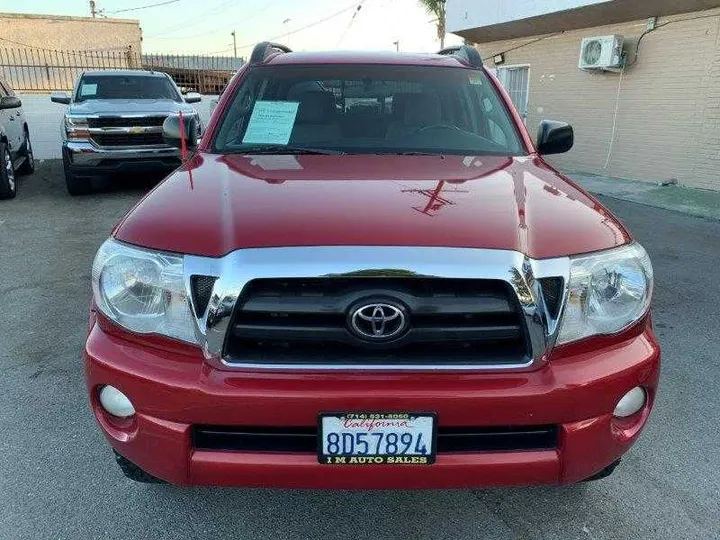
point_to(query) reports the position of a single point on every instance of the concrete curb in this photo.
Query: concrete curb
(695, 202)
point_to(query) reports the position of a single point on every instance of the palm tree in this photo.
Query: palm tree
(437, 8)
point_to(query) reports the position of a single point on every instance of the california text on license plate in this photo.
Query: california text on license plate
(376, 438)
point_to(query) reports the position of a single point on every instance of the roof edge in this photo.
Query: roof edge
(580, 18)
(4, 15)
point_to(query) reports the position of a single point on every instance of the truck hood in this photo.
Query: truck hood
(216, 204)
(129, 106)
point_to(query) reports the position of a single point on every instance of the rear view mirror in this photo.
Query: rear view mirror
(554, 137)
(10, 102)
(172, 132)
(193, 97)
(60, 97)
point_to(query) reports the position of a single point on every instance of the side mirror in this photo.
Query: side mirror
(60, 97)
(10, 102)
(554, 137)
(171, 131)
(193, 97)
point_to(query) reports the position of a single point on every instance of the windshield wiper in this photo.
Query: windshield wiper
(279, 149)
(410, 153)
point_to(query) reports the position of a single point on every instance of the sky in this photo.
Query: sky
(181, 26)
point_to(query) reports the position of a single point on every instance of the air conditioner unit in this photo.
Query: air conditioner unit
(601, 52)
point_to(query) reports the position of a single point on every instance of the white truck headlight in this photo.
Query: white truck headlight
(142, 290)
(607, 292)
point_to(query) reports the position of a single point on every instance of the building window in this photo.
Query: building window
(516, 81)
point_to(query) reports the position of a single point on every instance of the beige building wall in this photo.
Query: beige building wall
(69, 33)
(668, 119)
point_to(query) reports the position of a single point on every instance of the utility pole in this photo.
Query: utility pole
(234, 44)
(95, 11)
(397, 45)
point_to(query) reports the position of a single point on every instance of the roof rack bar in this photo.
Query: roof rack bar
(265, 49)
(465, 53)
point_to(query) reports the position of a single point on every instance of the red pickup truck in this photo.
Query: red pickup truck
(366, 276)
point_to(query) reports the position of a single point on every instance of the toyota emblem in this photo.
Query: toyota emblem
(378, 321)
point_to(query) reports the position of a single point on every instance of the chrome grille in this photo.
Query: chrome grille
(521, 275)
(451, 321)
(118, 121)
(128, 139)
(127, 131)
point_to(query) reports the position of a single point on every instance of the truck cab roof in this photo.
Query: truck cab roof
(364, 57)
(124, 73)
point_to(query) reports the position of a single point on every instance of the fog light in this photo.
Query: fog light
(115, 402)
(630, 403)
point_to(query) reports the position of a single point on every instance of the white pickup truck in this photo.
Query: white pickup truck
(114, 125)
(16, 155)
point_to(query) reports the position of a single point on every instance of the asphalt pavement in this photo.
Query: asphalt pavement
(58, 479)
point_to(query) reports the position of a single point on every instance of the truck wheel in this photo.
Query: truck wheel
(8, 186)
(607, 471)
(76, 185)
(133, 472)
(28, 166)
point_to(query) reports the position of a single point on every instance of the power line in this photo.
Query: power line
(142, 7)
(179, 26)
(216, 29)
(285, 34)
(352, 20)
(24, 44)
(541, 38)
(658, 26)
(302, 28)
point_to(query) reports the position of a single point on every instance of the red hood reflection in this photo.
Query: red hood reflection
(238, 201)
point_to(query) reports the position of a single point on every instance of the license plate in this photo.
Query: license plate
(377, 438)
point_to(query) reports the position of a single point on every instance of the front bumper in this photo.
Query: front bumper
(576, 391)
(87, 155)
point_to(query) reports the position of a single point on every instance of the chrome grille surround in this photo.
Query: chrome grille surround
(235, 270)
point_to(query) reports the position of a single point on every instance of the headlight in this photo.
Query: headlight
(607, 292)
(76, 127)
(142, 290)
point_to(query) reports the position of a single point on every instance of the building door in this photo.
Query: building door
(516, 80)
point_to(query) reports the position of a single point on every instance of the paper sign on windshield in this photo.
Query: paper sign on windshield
(271, 122)
(88, 89)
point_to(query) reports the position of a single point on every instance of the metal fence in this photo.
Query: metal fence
(204, 74)
(36, 70)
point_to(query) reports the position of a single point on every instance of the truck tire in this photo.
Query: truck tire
(8, 185)
(76, 185)
(28, 166)
(135, 473)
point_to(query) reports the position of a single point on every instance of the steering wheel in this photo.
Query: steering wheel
(438, 126)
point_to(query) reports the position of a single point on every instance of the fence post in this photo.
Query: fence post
(47, 69)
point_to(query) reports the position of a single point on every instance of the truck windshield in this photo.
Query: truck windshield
(126, 87)
(367, 109)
